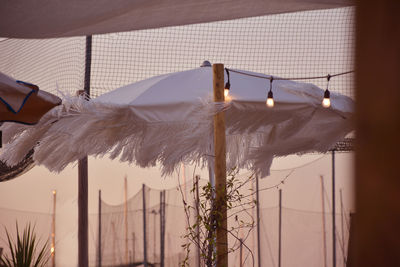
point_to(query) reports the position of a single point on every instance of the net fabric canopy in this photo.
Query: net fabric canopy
(39, 19)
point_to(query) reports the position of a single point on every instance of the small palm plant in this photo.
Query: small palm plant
(25, 252)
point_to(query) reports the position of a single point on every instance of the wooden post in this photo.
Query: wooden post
(154, 212)
(99, 234)
(241, 253)
(144, 227)
(83, 235)
(162, 227)
(133, 248)
(258, 223)
(198, 253)
(377, 125)
(53, 232)
(280, 229)
(351, 247)
(126, 218)
(342, 226)
(114, 241)
(333, 211)
(323, 219)
(220, 169)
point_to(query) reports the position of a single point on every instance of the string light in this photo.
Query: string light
(227, 85)
(326, 102)
(270, 99)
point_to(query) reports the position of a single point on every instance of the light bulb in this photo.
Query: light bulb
(270, 100)
(227, 87)
(52, 250)
(226, 92)
(326, 102)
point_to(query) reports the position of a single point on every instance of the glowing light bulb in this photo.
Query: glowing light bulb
(52, 250)
(226, 92)
(270, 100)
(227, 87)
(326, 102)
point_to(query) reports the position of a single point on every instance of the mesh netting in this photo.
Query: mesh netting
(306, 234)
(300, 44)
(119, 247)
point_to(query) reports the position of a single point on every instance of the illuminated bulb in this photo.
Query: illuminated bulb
(226, 92)
(270, 99)
(326, 102)
(54, 192)
(52, 250)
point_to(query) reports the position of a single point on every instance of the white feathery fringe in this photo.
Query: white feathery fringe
(79, 128)
(254, 136)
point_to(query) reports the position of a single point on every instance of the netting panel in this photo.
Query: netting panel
(49, 63)
(301, 44)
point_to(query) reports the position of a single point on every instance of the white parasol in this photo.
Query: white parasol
(167, 119)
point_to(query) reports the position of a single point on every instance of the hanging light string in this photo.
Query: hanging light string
(295, 78)
(326, 102)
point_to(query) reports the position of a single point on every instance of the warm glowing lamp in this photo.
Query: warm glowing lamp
(270, 99)
(227, 85)
(326, 102)
(226, 90)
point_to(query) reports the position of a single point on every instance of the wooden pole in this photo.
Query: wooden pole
(342, 226)
(83, 236)
(198, 253)
(258, 223)
(114, 241)
(154, 212)
(351, 247)
(162, 227)
(126, 219)
(323, 220)
(53, 232)
(241, 253)
(133, 248)
(99, 234)
(280, 228)
(144, 227)
(333, 211)
(378, 122)
(220, 169)
(377, 158)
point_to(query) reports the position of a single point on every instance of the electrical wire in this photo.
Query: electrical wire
(295, 78)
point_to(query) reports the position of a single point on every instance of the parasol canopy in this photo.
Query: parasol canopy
(23, 102)
(167, 119)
